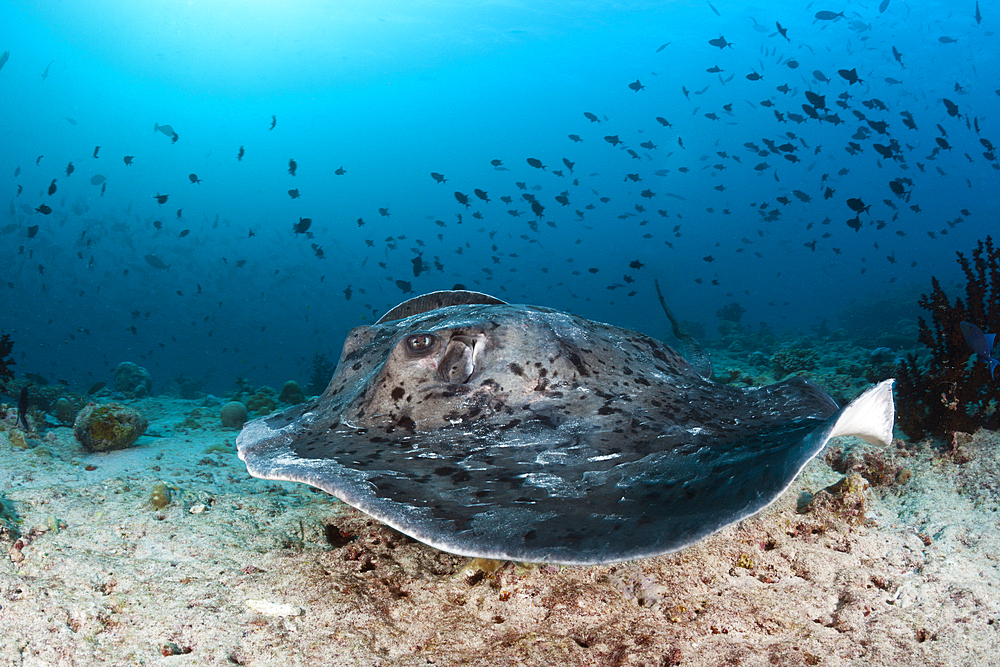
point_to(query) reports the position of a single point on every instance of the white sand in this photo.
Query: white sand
(249, 577)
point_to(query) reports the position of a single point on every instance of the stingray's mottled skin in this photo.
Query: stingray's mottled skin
(524, 433)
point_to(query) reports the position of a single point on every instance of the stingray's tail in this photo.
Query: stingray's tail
(694, 352)
(870, 416)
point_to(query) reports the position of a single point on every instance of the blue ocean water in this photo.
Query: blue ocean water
(738, 195)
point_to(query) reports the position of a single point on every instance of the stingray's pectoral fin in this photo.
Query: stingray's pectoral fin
(869, 416)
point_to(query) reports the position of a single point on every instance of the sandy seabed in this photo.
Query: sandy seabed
(239, 571)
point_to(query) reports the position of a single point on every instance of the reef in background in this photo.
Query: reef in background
(6, 360)
(951, 393)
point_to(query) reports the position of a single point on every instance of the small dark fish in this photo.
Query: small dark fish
(340, 171)
(96, 148)
(32, 231)
(161, 199)
(128, 160)
(441, 179)
(165, 129)
(44, 209)
(38, 159)
(947, 40)
(274, 121)
(52, 187)
(569, 165)
(292, 166)
(302, 225)
(536, 163)
(156, 262)
(663, 46)
(980, 343)
(3, 58)
(462, 199)
(22, 409)
(857, 205)
(294, 194)
(951, 107)
(158, 224)
(720, 42)
(194, 178)
(829, 16)
(753, 76)
(184, 232)
(979, 19)
(818, 101)
(612, 139)
(96, 388)
(850, 75)
(884, 5)
(482, 195)
(97, 179)
(70, 169)
(239, 156)
(782, 31)
(663, 121)
(591, 117)
(636, 86)
(405, 286)
(384, 212)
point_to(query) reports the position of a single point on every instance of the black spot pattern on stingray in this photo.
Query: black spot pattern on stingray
(572, 441)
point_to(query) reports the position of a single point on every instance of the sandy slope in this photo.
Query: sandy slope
(278, 574)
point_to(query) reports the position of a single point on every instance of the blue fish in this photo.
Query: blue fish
(980, 343)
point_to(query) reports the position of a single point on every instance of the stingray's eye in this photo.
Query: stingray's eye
(421, 343)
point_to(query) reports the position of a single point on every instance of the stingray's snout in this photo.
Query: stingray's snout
(459, 360)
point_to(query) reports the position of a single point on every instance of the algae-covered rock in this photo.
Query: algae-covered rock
(291, 393)
(233, 414)
(133, 380)
(159, 497)
(109, 426)
(17, 439)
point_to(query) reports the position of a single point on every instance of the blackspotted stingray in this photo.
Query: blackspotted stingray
(524, 433)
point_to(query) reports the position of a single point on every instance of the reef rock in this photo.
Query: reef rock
(291, 393)
(133, 380)
(101, 428)
(233, 414)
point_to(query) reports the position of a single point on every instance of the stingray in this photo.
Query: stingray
(524, 433)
